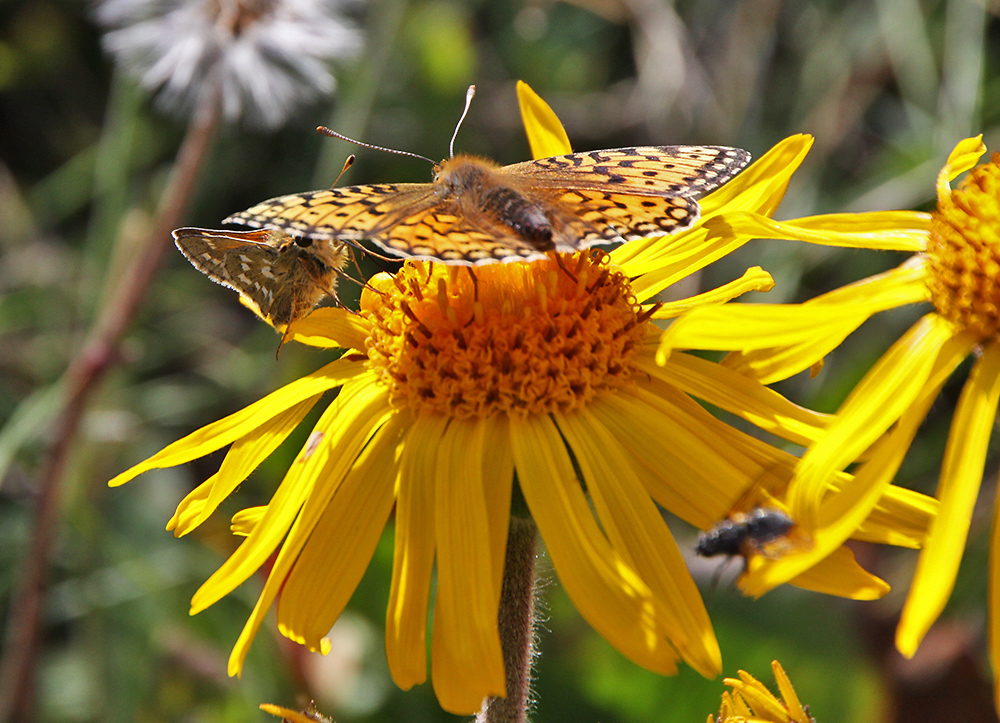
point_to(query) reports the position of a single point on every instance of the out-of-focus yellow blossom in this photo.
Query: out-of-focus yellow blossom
(957, 270)
(751, 702)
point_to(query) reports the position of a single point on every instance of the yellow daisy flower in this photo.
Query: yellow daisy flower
(751, 701)
(529, 389)
(957, 270)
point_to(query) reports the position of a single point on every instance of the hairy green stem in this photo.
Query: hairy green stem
(516, 621)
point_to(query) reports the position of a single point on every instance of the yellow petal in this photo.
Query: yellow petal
(406, 617)
(993, 604)
(657, 263)
(498, 470)
(357, 412)
(906, 284)
(963, 157)
(228, 429)
(795, 710)
(707, 472)
(466, 657)
(284, 506)
(901, 518)
(413, 560)
(342, 541)
(242, 459)
(842, 512)
(920, 360)
(546, 134)
(958, 488)
(329, 327)
(766, 708)
(293, 716)
(867, 487)
(244, 521)
(755, 279)
(791, 337)
(604, 588)
(740, 395)
(761, 186)
(741, 707)
(638, 532)
(840, 574)
(748, 327)
(887, 230)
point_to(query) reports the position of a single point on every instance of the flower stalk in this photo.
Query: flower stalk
(99, 355)
(516, 621)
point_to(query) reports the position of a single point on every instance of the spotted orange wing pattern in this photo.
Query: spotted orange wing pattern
(408, 220)
(476, 212)
(632, 193)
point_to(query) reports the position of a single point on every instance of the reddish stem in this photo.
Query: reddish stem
(85, 372)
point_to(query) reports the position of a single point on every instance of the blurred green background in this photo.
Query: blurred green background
(886, 87)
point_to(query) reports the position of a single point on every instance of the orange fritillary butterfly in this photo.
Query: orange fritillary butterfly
(478, 212)
(280, 277)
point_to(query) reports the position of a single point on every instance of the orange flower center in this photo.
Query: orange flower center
(519, 338)
(964, 252)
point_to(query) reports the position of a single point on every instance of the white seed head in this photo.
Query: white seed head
(269, 56)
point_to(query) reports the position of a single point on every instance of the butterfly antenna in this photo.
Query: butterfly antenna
(469, 95)
(348, 162)
(333, 134)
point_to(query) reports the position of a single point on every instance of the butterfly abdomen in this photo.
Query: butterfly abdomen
(482, 192)
(521, 215)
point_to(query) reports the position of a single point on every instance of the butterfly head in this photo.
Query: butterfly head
(463, 173)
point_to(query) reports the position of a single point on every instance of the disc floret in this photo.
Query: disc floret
(964, 252)
(514, 338)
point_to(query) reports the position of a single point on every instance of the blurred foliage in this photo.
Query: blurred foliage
(886, 88)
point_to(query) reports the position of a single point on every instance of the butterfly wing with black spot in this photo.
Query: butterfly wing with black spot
(449, 233)
(644, 170)
(351, 213)
(408, 219)
(625, 194)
